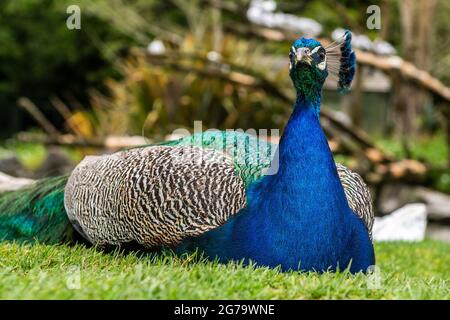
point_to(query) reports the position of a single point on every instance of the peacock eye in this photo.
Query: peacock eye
(322, 55)
(319, 55)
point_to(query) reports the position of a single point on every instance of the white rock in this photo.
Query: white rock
(362, 42)
(9, 183)
(407, 223)
(214, 56)
(156, 47)
(263, 13)
(384, 48)
(265, 5)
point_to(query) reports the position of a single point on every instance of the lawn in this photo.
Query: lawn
(406, 271)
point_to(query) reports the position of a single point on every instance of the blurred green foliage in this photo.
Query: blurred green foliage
(40, 56)
(154, 100)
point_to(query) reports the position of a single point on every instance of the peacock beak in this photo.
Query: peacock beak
(303, 55)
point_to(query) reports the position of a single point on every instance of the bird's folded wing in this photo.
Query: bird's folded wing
(358, 195)
(155, 196)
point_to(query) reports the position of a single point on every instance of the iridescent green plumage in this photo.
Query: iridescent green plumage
(35, 213)
(251, 155)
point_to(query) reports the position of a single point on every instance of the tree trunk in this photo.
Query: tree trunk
(385, 19)
(416, 17)
(423, 50)
(405, 105)
(356, 98)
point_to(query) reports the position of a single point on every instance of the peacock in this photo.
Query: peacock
(227, 193)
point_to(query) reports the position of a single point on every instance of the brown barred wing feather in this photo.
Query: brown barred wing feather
(358, 195)
(155, 195)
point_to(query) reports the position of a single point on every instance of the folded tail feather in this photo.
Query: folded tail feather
(36, 213)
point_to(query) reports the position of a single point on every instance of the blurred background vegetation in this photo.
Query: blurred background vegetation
(148, 67)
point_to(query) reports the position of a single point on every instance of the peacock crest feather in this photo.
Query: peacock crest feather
(341, 61)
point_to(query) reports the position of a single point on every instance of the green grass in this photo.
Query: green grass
(407, 270)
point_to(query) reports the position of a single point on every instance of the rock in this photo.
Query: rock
(156, 47)
(439, 232)
(394, 196)
(263, 12)
(382, 47)
(57, 163)
(12, 166)
(9, 183)
(407, 223)
(438, 204)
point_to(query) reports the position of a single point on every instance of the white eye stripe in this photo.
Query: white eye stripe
(294, 50)
(323, 64)
(315, 49)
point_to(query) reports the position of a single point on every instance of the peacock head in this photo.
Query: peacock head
(310, 64)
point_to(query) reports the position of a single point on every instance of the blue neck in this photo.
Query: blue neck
(304, 101)
(307, 173)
